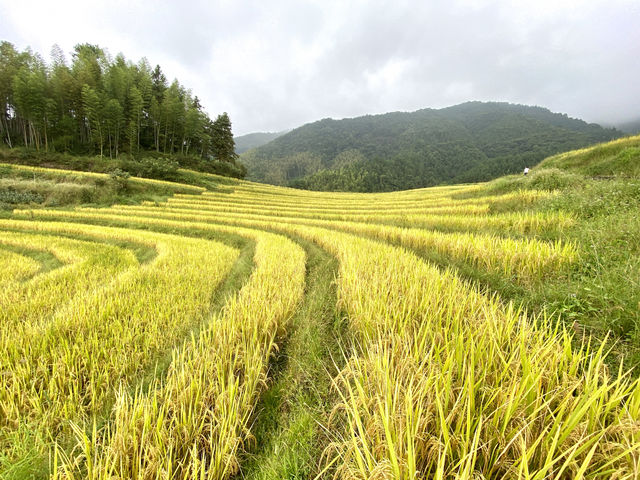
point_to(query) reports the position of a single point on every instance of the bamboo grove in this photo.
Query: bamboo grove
(104, 105)
(121, 357)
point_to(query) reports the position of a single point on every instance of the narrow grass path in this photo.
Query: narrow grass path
(233, 282)
(47, 260)
(299, 400)
(289, 438)
(38, 467)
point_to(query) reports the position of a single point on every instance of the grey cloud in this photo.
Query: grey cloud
(278, 64)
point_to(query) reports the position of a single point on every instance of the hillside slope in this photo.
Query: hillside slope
(470, 142)
(620, 158)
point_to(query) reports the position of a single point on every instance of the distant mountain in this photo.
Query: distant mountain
(470, 142)
(632, 127)
(253, 140)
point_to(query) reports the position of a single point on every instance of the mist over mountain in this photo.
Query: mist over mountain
(256, 139)
(631, 127)
(470, 142)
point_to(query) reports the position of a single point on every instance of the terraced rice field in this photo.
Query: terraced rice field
(169, 340)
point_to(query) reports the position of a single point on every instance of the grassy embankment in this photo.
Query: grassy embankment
(600, 188)
(37, 186)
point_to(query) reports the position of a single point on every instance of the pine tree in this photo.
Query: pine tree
(223, 145)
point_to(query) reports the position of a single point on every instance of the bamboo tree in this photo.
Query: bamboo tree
(135, 118)
(29, 86)
(94, 107)
(114, 118)
(61, 84)
(193, 128)
(102, 102)
(10, 62)
(155, 114)
(173, 110)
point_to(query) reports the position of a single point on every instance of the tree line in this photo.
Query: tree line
(97, 104)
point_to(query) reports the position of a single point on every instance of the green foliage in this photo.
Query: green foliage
(227, 169)
(11, 197)
(466, 143)
(161, 167)
(538, 179)
(21, 187)
(598, 198)
(605, 291)
(222, 139)
(152, 167)
(16, 191)
(120, 179)
(99, 105)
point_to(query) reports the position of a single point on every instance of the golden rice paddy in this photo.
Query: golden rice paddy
(119, 359)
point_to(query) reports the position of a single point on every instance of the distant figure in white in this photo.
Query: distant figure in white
(526, 170)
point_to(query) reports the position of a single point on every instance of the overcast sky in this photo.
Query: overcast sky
(276, 64)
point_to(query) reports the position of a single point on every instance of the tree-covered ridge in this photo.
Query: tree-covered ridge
(105, 105)
(470, 142)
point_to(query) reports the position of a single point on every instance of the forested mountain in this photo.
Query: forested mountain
(97, 104)
(469, 142)
(253, 140)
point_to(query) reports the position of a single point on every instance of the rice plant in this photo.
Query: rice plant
(441, 379)
(192, 424)
(65, 350)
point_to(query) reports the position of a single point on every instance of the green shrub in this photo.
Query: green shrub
(151, 167)
(551, 179)
(544, 179)
(14, 197)
(158, 166)
(227, 169)
(235, 170)
(120, 179)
